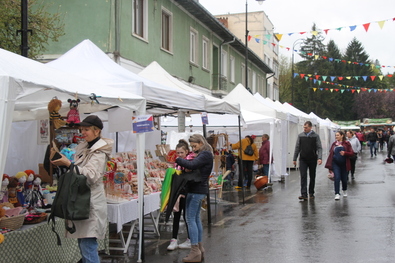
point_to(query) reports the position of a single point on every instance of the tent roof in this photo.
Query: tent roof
(299, 113)
(213, 105)
(249, 102)
(34, 84)
(90, 62)
(280, 113)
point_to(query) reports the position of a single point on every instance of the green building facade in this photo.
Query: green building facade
(181, 35)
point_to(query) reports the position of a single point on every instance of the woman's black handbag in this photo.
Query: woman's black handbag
(192, 176)
(72, 199)
(249, 151)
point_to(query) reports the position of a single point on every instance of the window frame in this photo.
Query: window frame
(143, 20)
(193, 46)
(206, 53)
(170, 30)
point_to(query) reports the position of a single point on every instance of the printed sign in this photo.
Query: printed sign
(204, 117)
(143, 123)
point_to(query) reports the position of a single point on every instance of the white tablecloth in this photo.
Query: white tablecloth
(128, 211)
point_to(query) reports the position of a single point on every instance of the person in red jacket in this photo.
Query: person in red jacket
(338, 162)
(264, 154)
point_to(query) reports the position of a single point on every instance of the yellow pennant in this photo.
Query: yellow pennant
(381, 24)
(348, 77)
(331, 90)
(315, 89)
(279, 36)
(358, 90)
(381, 77)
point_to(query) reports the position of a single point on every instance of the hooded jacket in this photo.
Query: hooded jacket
(92, 162)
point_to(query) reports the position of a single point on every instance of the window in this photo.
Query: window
(253, 81)
(167, 30)
(140, 18)
(205, 53)
(193, 36)
(224, 63)
(232, 69)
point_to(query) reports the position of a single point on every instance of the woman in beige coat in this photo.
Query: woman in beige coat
(91, 158)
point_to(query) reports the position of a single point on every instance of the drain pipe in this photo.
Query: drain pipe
(220, 61)
(266, 82)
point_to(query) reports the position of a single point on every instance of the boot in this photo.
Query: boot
(201, 248)
(194, 255)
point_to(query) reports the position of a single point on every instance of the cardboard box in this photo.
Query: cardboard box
(45, 178)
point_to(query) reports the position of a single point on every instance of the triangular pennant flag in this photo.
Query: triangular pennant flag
(339, 28)
(326, 89)
(342, 90)
(265, 42)
(352, 28)
(319, 82)
(356, 77)
(340, 78)
(249, 38)
(375, 90)
(302, 76)
(336, 90)
(274, 44)
(315, 89)
(389, 75)
(381, 77)
(314, 33)
(268, 36)
(333, 78)
(353, 90)
(257, 40)
(366, 26)
(309, 75)
(326, 31)
(348, 77)
(330, 59)
(358, 91)
(321, 89)
(331, 90)
(302, 33)
(381, 23)
(369, 90)
(324, 78)
(306, 78)
(364, 77)
(290, 34)
(296, 74)
(372, 77)
(315, 81)
(279, 36)
(317, 76)
(316, 57)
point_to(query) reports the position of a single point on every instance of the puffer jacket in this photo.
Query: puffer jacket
(244, 143)
(92, 163)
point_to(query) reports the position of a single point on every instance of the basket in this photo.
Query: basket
(13, 223)
(34, 218)
(261, 181)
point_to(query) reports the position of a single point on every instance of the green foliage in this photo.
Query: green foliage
(45, 26)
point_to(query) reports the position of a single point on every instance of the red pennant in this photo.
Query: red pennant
(317, 76)
(273, 44)
(355, 63)
(249, 38)
(372, 77)
(310, 78)
(389, 75)
(340, 78)
(344, 61)
(326, 88)
(287, 48)
(336, 89)
(324, 57)
(310, 54)
(326, 31)
(366, 26)
(393, 19)
(302, 76)
(302, 33)
(353, 90)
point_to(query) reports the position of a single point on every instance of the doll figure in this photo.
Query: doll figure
(12, 196)
(4, 189)
(29, 180)
(37, 199)
(22, 177)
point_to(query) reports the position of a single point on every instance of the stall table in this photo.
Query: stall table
(126, 214)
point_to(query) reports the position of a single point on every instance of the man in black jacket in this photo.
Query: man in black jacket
(308, 146)
(372, 139)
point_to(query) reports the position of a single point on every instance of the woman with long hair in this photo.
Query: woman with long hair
(196, 192)
(338, 162)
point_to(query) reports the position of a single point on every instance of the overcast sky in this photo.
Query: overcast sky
(294, 16)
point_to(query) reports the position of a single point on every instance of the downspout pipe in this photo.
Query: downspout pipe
(266, 81)
(220, 60)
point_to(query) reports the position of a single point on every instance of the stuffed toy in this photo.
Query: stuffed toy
(20, 189)
(53, 107)
(73, 116)
(35, 198)
(4, 189)
(12, 196)
(29, 180)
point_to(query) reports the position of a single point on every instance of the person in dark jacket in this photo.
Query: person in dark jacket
(339, 162)
(308, 146)
(197, 191)
(372, 139)
(264, 154)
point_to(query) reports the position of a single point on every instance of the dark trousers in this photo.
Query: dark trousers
(340, 172)
(247, 173)
(353, 160)
(177, 217)
(303, 166)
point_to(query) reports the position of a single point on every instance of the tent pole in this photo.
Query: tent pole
(241, 171)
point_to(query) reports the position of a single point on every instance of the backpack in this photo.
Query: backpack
(72, 200)
(249, 151)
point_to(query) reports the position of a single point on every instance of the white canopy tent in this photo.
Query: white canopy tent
(214, 105)
(90, 62)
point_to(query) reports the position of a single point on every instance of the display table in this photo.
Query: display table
(37, 243)
(127, 213)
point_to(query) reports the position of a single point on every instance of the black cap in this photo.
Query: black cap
(91, 120)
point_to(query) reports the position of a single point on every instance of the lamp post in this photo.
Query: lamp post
(246, 40)
(292, 67)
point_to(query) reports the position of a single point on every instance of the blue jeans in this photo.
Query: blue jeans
(265, 169)
(341, 174)
(372, 146)
(88, 248)
(195, 227)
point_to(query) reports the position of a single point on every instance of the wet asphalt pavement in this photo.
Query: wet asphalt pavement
(274, 226)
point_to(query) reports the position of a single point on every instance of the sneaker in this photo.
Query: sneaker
(173, 244)
(337, 197)
(302, 197)
(186, 244)
(344, 193)
(312, 196)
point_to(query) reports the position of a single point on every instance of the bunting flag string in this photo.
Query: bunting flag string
(352, 90)
(340, 78)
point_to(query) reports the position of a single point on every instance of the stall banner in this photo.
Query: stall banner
(204, 118)
(43, 133)
(143, 123)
